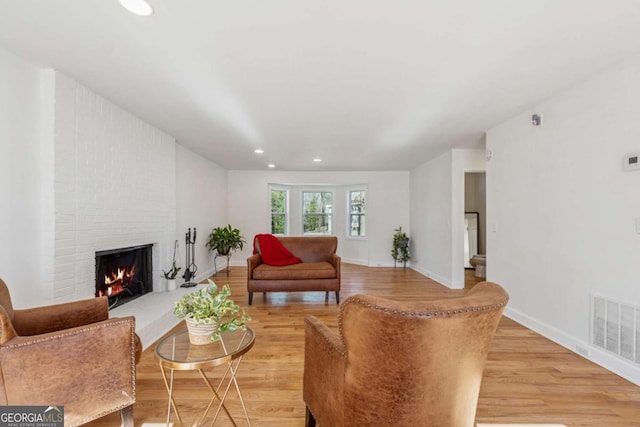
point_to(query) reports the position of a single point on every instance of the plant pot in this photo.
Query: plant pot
(200, 333)
(171, 285)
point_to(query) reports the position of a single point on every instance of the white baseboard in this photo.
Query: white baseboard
(442, 280)
(205, 275)
(381, 264)
(362, 262)
(596, 355)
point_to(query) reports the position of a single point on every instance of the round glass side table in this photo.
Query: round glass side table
(176, 353)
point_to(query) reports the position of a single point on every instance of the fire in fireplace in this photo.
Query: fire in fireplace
(124, 274)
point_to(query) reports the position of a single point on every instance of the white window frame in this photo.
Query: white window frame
(286, 209)
(330, 215)
(349, 212)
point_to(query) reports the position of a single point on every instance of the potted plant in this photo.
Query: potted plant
(170, 275)
(400, 249)
(173, 271)
(224, 240)
(209, 312)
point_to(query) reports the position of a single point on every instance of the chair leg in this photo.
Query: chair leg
(250, 297)
(126, 415)
(337, 297)
(309, 420)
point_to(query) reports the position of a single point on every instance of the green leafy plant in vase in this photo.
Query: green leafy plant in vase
(170, 275)
(400, 248)
(209, 312)
(172, 272)
(224, 240)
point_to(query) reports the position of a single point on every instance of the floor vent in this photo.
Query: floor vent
(615, 326)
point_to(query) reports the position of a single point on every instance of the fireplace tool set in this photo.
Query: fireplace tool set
(191, 268)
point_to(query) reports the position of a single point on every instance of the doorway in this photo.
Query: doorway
(475, 209)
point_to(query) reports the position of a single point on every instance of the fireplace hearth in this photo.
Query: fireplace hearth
(124, 274)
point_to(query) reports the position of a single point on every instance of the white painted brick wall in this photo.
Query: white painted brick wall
(115, 186)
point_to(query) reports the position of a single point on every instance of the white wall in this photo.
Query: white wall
(26, 177)
(437, 215)
(201, 202)
(431, 212)
(387, 208)
(564, 210)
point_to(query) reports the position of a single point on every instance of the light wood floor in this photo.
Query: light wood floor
(470, 278)
(528, 379)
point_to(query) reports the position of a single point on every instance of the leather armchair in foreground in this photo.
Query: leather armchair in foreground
(401, 363)
(69, 355)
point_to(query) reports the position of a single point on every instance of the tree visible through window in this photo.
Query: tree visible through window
(356, 213)
(317, 208)
(278, 212)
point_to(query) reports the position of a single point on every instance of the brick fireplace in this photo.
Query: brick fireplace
(114, 187)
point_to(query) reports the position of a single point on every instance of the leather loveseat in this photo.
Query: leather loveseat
(318, 271)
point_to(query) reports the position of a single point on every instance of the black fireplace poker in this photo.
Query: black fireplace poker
(190, 270)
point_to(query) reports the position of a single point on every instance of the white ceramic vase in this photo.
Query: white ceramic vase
(200, 333)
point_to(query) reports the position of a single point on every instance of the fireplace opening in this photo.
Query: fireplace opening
(124, 274)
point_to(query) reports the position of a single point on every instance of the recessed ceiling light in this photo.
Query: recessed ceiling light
(271, 165)
(137, 7)
(317, 160)
(258, 151)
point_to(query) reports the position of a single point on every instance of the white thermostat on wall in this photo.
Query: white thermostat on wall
(632, 162)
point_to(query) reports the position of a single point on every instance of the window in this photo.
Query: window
(278, 212)
(317, 208)
(356, 213)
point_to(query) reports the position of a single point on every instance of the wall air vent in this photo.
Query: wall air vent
(615, 327)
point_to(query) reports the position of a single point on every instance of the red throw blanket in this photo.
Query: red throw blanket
(273, 252)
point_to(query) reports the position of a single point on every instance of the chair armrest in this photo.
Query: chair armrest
(324, 368)
(335, 260)
(7, 331)
(89, 369)
(252, 262)
(40, 320)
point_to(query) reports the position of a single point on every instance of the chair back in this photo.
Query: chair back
(417, 363)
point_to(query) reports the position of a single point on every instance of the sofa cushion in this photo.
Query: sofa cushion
(305, 270)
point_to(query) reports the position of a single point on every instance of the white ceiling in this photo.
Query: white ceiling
(363, 84)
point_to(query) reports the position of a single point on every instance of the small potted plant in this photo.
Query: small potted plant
(400, 248)
(209, 312)
(170, 275)
(224, 240)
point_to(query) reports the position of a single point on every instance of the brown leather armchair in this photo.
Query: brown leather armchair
(69, 355)
(401, 363)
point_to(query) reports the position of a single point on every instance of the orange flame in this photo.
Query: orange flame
(117, 280)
